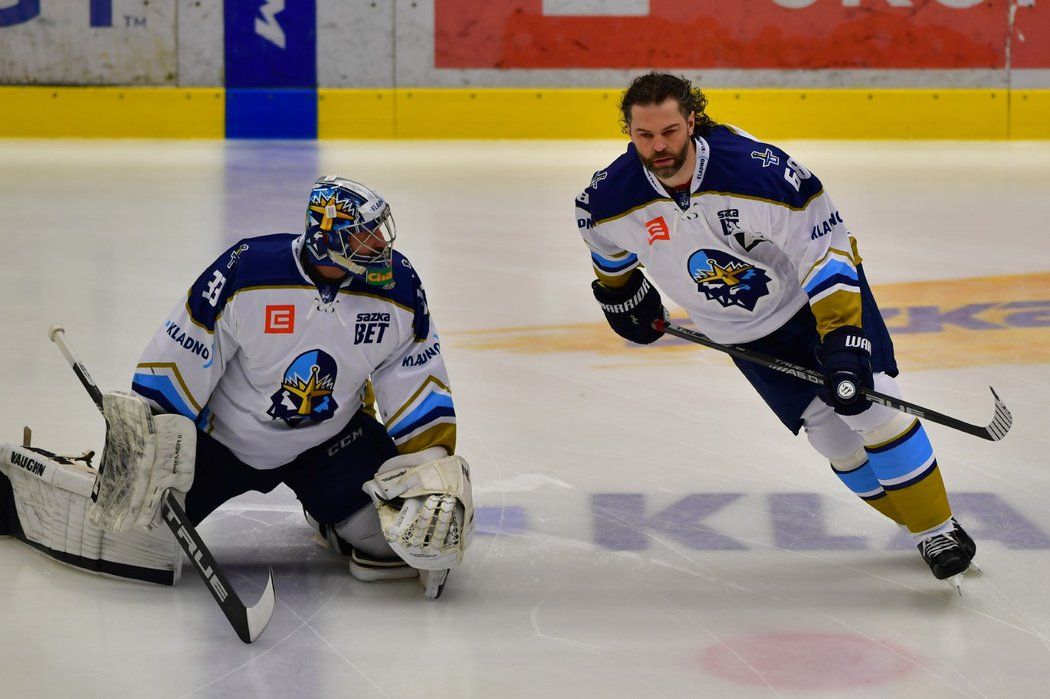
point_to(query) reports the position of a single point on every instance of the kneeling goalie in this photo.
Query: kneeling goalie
(270, 371)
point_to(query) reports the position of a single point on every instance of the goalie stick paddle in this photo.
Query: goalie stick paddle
(993, 432)
(248, 622)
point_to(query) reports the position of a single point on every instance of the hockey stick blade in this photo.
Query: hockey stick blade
(993, 432)
(248, 622)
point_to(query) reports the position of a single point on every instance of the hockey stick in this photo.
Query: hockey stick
(993, 432)
(248, 622)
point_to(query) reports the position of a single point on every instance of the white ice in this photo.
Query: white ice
(606, 476)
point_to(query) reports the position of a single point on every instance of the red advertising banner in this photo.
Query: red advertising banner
(799, 34)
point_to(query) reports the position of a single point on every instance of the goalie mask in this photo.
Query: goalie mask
(350, 227)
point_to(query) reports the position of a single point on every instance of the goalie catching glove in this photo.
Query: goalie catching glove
(145, 455)
(425, 507)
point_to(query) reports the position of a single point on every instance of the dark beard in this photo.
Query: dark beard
(667, 171)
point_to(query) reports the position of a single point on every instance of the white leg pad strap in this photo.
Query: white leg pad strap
(51, 500)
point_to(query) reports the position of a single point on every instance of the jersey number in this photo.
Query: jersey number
(214, 287)
(795, 173)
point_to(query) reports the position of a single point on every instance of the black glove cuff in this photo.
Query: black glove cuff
(848, 338)
(622, 299)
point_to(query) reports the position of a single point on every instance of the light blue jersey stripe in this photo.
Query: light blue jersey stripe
(162, 386)
(430, 403)
(829, 270)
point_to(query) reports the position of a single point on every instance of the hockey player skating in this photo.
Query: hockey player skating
(280, 355)
(747, 241)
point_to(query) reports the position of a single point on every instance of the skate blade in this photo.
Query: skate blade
(956, 580)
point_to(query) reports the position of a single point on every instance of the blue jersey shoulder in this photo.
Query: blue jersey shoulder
(618, 188)
(267, 260)
(746, 167)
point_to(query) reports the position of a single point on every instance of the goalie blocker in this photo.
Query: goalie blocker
(46, 500)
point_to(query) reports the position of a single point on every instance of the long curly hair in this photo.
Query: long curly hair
(654, 88)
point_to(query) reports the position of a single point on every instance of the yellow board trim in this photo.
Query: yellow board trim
(586, 113)
(524, 113)
(112, 112)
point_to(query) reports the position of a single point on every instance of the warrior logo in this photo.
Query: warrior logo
(305, 395)
(598, 177)
(729, 281)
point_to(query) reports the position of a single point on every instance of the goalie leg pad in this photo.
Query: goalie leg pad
(45, 504)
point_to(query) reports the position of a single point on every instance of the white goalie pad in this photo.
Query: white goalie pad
(145, 455)
(426, 509)
(50, 499)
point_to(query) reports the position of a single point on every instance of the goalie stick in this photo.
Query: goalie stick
(993, 432)
(248, 622)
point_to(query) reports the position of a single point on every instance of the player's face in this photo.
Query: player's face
(662, 136)
(367, 243)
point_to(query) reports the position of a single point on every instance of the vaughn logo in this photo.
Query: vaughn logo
(27, 463)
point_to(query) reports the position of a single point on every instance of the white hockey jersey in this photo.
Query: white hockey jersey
(753, 240)
(270, 365)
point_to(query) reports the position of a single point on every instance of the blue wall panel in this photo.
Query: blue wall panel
(271, 68)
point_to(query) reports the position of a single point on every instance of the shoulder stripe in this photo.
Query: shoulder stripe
(763, 199)
(630, 211)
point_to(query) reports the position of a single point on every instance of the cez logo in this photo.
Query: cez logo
(657, 230)
(101, 13)
(267, 27)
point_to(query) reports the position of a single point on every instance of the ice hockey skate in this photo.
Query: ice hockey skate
(949, 554)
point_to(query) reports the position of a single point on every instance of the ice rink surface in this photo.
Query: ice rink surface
(647, 526)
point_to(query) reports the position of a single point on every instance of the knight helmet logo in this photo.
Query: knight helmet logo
(305, 395)
(723, 278)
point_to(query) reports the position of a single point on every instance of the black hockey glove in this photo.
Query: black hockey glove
(846, 355)
(632, 309)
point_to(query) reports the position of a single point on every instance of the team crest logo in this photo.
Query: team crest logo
(598, 177)
(327, 207)
(723, 278)
(305, 395)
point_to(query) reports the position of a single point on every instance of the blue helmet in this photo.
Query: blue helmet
(350, 227)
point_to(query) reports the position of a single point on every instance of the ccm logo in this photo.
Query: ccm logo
(657, 230)
(280, 320)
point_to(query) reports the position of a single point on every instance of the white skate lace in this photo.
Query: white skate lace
(935, 544)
